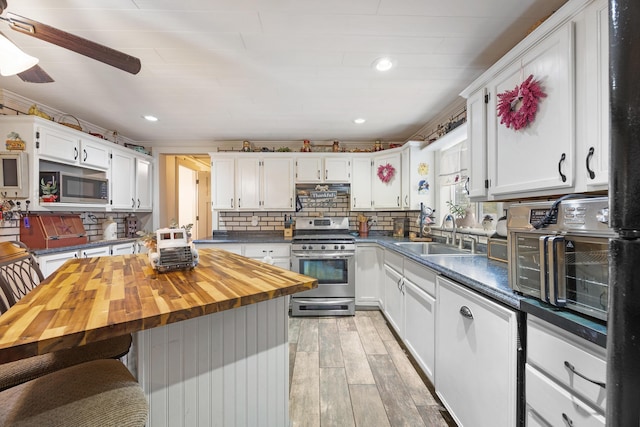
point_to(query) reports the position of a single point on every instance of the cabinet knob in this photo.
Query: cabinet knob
(466, 312)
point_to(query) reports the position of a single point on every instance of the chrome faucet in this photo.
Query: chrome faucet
(472, 239)
(453, 229)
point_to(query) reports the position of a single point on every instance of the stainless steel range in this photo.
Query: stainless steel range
(323, 248)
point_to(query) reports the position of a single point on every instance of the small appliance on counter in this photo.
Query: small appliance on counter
(400, 227)
(558, 252)
(109, 229)
(132, 226)
(46, 231)
(497, 249)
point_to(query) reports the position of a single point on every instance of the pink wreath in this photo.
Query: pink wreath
(517, 108)
(386, 172)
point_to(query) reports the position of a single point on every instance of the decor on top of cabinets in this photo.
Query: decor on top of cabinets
(386, 172)
(306, 146)
(517, 108)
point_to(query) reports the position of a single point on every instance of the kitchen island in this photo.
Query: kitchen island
(210, 344)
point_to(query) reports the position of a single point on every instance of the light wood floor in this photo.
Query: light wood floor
(351, 371)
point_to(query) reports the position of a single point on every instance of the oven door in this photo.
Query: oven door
(564, 270)
(582, 267)
(335, 273)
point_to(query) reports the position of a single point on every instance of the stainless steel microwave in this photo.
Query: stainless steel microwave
(63, 187)
(559, 253)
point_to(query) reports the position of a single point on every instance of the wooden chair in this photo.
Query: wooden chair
(19, 274)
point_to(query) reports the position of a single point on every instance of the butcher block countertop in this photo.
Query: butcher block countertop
(91, 299)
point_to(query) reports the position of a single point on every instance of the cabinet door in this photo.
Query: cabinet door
(94, 154)
(394, 299)
(593, 151)
(223, 183)
(541, 156)
(122, 180)
(419, 331)
(94, 252)
(337, 169)
(361, 183)
(278, 185)
(124, 249)
(58, 145)
(144, 185)
(369, 269)
(248, 183)
(476, 357)
(477, 135)
(417, 177)
(386, 195)
(50, 263)
(309, 169)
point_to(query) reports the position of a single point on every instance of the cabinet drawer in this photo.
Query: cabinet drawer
(556, 405)
(421, 276)
(549, 347)
(229, 247)
(274, 251)
(394, 260)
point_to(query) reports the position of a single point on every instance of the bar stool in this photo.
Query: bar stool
(19, 274)
(98, 393)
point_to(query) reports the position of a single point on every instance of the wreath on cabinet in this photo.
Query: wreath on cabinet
(517, 108)
(386, 172)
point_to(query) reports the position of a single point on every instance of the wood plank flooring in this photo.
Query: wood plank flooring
(351, 371)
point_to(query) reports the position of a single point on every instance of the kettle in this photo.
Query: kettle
(109, 229)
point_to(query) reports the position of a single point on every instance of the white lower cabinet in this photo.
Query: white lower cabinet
(394, 299)
(280, 253)
(410, 308)
(419, 315)
(51, 262)
(369, 268)
(565, 377)
(476, 357)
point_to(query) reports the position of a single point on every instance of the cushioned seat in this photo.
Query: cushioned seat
(14, 373)
(98, 393)
(19, 275)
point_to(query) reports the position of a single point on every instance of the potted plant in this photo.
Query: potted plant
(48, 190)
(464, 215)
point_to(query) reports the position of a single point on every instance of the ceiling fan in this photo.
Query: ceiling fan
(66, 40)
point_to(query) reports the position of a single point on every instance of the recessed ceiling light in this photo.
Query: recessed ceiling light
(383, 64)
(150, 118)
(359, 121)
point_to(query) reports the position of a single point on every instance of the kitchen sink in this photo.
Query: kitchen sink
(432, 248)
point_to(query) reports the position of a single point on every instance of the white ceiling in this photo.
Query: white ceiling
(279, 70)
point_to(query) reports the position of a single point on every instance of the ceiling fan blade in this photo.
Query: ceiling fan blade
(75, 43)
(35, 74)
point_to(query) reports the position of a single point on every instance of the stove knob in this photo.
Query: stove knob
(304, 247)
(310, 247)
(323, 247)
(342, 247)
(336, 247)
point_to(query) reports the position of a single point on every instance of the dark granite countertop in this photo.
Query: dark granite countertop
(94, 244)
(477, 272)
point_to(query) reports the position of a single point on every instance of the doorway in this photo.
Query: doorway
(186, 190)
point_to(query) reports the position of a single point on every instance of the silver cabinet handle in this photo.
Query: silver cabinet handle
(133, 203)
(584, 377)
(75, 153)
(232, 203)
(85, 155)
(567, 420)
(466, 312)
(326, 174)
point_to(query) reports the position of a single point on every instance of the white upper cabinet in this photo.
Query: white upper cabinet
(418, 174)
(278, 185)
(252, 182)
(592, 95)
(361, 183)
(386, 191)
(565, 148)
(144, 184)
(69, 147)
(477, 146)
(539, 156)
(223, 183)
(131, 181)
(312, 168)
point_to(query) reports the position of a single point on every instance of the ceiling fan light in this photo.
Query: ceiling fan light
(12, 59)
